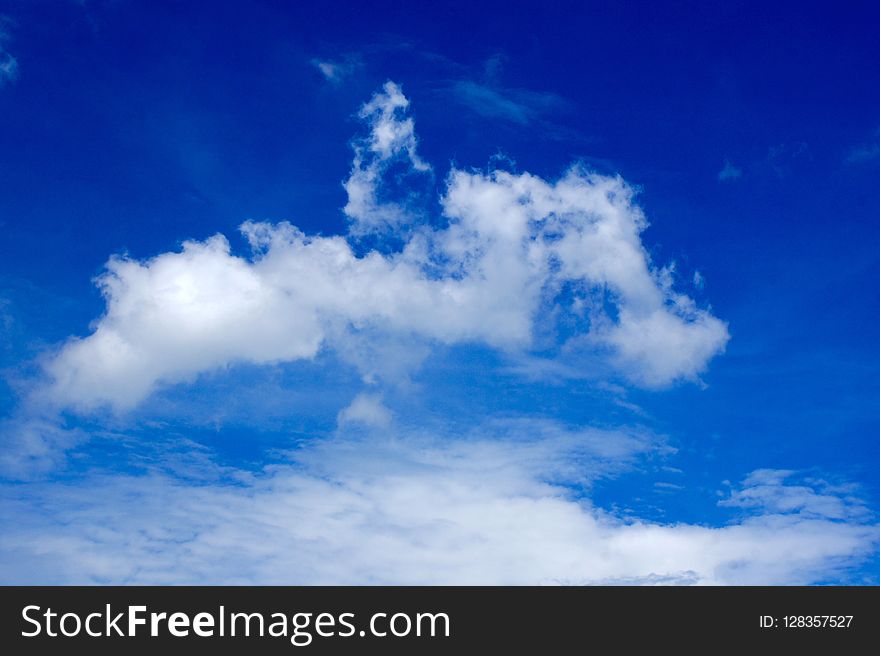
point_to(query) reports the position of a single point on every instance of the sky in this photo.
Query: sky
(461, 293)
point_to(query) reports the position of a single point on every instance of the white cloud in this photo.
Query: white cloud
(729, 172)
(335, 71)
(392, 140)
(492, 508)
(366, 409)
(658, 346)
(513, 244)
(34, 445)
(177, 315)
(767, 490)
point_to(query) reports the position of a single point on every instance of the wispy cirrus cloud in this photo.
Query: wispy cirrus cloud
(336, 71)
(783, 491)
(865, 152)
(520, 106)
(8, 62)
(35, 443)
(488, 97)
(782, 159)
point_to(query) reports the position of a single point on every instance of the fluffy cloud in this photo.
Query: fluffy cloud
(499, 506)
(391, 141)
(515, 252)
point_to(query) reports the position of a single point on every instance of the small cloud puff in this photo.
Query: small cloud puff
(729, 172)
(365, 409)
(336, 71)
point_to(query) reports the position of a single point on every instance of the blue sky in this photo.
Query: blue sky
(575, 293)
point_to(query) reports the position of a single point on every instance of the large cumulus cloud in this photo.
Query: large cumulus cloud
(514, 251)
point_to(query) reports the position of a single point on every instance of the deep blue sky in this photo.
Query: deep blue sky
(132, 126)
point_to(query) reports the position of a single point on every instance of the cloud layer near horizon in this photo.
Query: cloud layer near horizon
(515, 252)
(495, 507)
